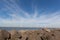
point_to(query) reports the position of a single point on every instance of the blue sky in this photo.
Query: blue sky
(30, 13)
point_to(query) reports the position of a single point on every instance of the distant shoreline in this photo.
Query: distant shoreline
(23, 28)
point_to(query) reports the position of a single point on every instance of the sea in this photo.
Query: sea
(22, 28)
(19, 28)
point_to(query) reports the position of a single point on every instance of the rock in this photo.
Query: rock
(4, 35)
(14, 35)
(47, 35)
(43, 34)
(56, 34)
(30, 35)
(34, 35)
(46, 29)
(24, 34)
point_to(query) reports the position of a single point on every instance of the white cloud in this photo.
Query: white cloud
(43, 21)
(52, 20)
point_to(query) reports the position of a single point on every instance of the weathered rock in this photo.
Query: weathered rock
(24, 34)
(30, 34)
(49, 35)
(43, 34)
(4, 35)
(56, 34)
(14, 35)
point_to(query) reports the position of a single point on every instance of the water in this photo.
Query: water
(18, 28)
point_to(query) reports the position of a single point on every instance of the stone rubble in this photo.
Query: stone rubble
(42, 34)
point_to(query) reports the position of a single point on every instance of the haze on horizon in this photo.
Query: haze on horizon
(30, 13)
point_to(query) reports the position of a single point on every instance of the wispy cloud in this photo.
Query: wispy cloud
(32, 22)
(17, 19)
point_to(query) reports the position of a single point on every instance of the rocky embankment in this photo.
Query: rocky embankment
(42, 34)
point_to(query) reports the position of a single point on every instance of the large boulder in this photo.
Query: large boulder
(34, 35)
(56, 34)
(4, 35)
(24, 34)
(30, 35)
(14, 35)
(48, 34)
